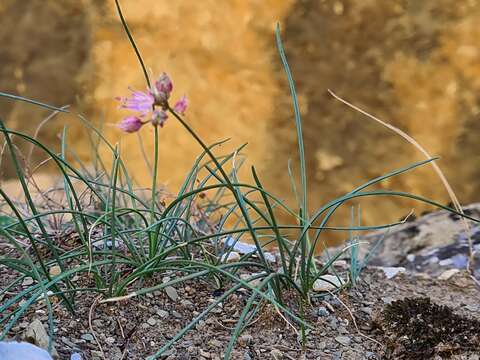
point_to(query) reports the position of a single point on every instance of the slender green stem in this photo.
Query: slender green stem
(153, 236)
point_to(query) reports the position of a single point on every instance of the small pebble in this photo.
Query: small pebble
(55, 271)
(390, 272)
(204, 354)
(244, 340)
(97, 323)
(344, 340)
(387, 299)
(246, 356)
(151, 321)
(27, 281)
(171, 293)
(327, 283)
(87, 337)
(367, 310)
(276, 354)
(322, 311)
(230, 257)
(177, 314)
(448, 274)
(162, 313)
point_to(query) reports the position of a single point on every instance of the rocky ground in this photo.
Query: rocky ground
(352, 325)
(390, 313)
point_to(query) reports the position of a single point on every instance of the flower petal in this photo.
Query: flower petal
(181, 105)
(139, 101)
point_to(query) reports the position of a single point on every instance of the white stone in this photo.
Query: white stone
(327, 283)
(16, 351)
(411, 257)
(254, 282)
(27, 281)
(231, 257)
(390, 272)
(448, 274)
(244, 248)
(445, 262)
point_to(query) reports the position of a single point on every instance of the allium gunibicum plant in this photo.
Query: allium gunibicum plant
(119, 246)
(151, 107)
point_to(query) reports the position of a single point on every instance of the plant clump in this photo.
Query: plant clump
(416, 328)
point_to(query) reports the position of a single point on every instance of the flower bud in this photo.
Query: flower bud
(130, 124)
(163, 88)
(159, 117)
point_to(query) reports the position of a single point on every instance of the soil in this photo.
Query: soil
(381, 326)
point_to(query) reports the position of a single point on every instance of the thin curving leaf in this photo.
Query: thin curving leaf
(34, 102)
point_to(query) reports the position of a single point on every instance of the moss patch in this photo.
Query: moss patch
(416, 328)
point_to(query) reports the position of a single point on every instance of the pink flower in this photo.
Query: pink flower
(140, 101)
(148, 103)
(130, 124)
(163, 88)
(159, 117)
(181, 105)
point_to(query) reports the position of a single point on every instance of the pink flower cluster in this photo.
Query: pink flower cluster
(151, 105)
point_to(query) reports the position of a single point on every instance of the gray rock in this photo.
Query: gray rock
(387, 299)
(334, 323)
(327, 283)
(162, 313)
(69, 343)
(392, 271)
(186, 303)
(344, 340)
(177, 314)
(87, 337)
(276, 354)
(367, 310)
(204, 354)
(98, 323)
(244, 340)
(322, 311)
(171, 293)
(36, 334)
(151, 321)
(96, 355)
